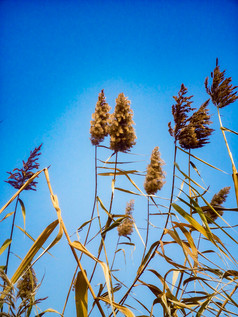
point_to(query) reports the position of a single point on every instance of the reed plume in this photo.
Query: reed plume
(155, 175)
(221, 91)
(126, 227)
(180, 112)
(19, 176)
(216, 202)
(197, 131)
(100, 120)
(121, 128)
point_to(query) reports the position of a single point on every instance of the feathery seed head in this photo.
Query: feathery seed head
(180, 111)
(121, 128)
(27, 284)
(18, 176)
(196, 133)
(221, 91)
(100, 120)
(126, 227)
(217, 201)
(155, 176)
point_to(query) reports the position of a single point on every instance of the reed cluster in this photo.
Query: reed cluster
(187, 247)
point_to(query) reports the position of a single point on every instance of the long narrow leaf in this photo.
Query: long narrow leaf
(229, 130)
(77, 245)
(23, 210)
(7, 215)
(33, 250)
(127, 312)
(197, 158)
(81, 295)
(49, 310)
(5, 245)
(20, 190)
(30, 237)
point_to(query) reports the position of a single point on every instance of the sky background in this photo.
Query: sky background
(55, 58)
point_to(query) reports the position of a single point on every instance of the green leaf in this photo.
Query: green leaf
(5, 245)
(81, 295)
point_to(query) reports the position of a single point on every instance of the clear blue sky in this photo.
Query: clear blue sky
(55, 58)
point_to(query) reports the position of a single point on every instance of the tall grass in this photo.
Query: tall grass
(188, 270)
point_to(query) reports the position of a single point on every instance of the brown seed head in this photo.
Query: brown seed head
(100, 120)
(180, 111)
(221, 91)
(126, 227)
(196, 133)
(19, 176)
(27, 284)
(121, 128)
(155, 176)
(217, 201)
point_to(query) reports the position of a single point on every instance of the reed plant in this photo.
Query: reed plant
(186, 264)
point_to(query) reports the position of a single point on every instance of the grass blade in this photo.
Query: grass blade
(7, 215)
(20, 190)
(81, 295)
(197, 158)
(126, 311)
(77, 245)
(33, 250)
(49, 310)
(5, 245)
(228, 130)
(30, 237)
(23, 210)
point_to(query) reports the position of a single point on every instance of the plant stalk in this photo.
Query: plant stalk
(234, 170)
(11, 235)
(147, 227)
(89, 227)
(162, 235)
(109, 220)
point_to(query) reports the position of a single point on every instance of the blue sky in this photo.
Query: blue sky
(55, 58)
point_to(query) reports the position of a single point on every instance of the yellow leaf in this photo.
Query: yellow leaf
(81, 295)
(127, 312)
